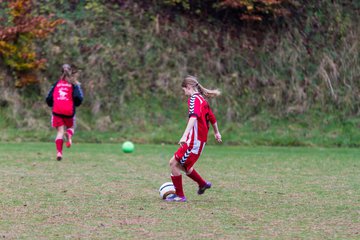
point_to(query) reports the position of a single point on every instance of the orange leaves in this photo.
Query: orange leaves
(7, 33)
(7, 49)
(38, 27)
(18, 9)
(17, 41)
(235, 3)
(26, 79)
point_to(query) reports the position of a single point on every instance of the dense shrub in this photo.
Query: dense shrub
(135, 53)
(236, 10)
(19, 31)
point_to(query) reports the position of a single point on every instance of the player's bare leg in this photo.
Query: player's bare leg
(68, 137)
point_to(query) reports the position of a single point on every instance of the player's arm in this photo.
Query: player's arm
(194, 107)
(216, 132)
(189, 126)
(213, 122)
(78, 95)
(49, 98)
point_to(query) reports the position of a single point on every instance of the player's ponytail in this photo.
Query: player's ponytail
(70, 73)
(193, 82)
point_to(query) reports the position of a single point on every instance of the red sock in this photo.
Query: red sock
(59, 145)
(177, 181)
(70, 132)
(194, 175)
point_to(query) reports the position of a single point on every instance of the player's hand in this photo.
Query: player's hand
(76, 82)
(182, 141)
(218, 137)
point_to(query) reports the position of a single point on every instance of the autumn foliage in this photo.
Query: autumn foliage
(17, 40)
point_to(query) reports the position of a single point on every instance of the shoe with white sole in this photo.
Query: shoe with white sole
(175, 198)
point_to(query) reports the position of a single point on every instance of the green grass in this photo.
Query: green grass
(260, 130)
(98, 192)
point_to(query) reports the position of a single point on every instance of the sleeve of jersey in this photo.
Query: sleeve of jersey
(194, 107)
(49, 97)
(78, 95)
(212, 117)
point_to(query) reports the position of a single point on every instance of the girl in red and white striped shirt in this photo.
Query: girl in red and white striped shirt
(194, 137)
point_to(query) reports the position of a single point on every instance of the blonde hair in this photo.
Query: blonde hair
(66, 71)
(194, 83)
(69, 72)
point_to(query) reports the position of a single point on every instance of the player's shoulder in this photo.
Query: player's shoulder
(197, 98)
(56, 82)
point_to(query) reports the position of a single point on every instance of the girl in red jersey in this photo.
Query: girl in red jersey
(63, 97)
(194, 138)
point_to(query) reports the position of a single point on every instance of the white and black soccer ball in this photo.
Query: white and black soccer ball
(166, 189)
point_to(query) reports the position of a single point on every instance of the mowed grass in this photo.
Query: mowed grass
(98, 192)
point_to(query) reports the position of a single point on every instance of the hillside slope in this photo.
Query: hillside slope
(295, 84)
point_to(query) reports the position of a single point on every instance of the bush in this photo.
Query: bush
(17, 40)
(235, 10)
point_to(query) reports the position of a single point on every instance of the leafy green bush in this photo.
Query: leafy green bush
(135, 53)
(17, 39)
(244, 10)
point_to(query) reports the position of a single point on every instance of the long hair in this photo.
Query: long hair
(66, 71)
(194, 83)
(69, 73)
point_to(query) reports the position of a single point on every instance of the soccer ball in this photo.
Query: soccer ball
(166, 189)
(128, 147)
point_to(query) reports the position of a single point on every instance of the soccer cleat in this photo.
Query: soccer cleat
(59, 156)
(203, 188)
(68, 140)
(175, 198)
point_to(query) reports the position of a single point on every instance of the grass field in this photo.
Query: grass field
(98, 192)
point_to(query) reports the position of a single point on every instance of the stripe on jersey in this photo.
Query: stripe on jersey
(185, 157)
(192, 141)
(190, 137)
(192, 104)
(196, 147)
(200, 98)
(196, 142)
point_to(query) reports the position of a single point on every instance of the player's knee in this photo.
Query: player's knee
(60, 130)
(172, 163)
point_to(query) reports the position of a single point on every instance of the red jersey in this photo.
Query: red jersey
(200, 109)
(63, 98)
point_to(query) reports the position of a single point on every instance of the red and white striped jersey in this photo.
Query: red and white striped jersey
(200, 109)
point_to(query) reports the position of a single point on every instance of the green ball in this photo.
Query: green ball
(128, 147)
